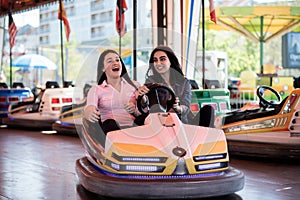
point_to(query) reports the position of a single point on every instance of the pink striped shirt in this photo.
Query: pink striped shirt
(110, 101)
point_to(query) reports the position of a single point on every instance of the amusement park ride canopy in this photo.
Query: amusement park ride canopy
(16, 6)
(257, 23)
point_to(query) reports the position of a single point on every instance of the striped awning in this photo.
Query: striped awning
(258, 23)
(17, 6)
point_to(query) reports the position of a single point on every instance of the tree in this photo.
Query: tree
(243, 54)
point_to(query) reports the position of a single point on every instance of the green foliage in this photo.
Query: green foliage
(242, 53)
(74, 63)
(73, 58)
(126, 40)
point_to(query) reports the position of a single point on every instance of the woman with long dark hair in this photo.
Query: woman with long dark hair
(112, 102)
(164, 68)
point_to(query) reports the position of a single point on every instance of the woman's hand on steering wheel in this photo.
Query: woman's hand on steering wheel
(143, 90)
(176, 106)
(155, 94)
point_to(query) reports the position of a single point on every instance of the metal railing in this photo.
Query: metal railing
(238, 98)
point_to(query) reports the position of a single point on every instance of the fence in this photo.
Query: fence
(238, 98)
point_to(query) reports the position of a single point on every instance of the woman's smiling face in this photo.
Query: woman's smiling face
(112, 65)
(161, 62)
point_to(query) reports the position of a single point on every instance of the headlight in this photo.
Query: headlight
(209, 157)
(134, 168)
(210, 166)
(252, 126)
(139, 159)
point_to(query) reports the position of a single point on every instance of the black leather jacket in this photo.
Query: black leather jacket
(183, 91)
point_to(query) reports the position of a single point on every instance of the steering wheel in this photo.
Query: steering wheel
(160, 99)
(267, 103)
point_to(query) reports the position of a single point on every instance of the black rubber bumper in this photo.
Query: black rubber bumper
(229, 182)
(65, 129)
(29, 123)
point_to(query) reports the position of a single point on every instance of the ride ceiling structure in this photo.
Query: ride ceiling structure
(257, 23)
(17, 6)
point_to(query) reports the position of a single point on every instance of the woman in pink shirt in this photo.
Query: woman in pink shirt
(112, 102)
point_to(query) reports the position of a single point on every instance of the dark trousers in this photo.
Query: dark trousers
(112, 125)
(205, 117)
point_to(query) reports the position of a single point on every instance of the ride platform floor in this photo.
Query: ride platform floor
(37, 166)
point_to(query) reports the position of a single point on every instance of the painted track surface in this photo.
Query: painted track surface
(41, 166)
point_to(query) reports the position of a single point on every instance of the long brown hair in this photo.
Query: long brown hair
(176, 73)
(101, 76)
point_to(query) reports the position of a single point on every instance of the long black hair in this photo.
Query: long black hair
(176, 73)
(101, 76)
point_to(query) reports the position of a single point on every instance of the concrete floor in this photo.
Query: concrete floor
(40, 166)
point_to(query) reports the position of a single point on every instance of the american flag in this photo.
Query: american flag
(12, 30)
